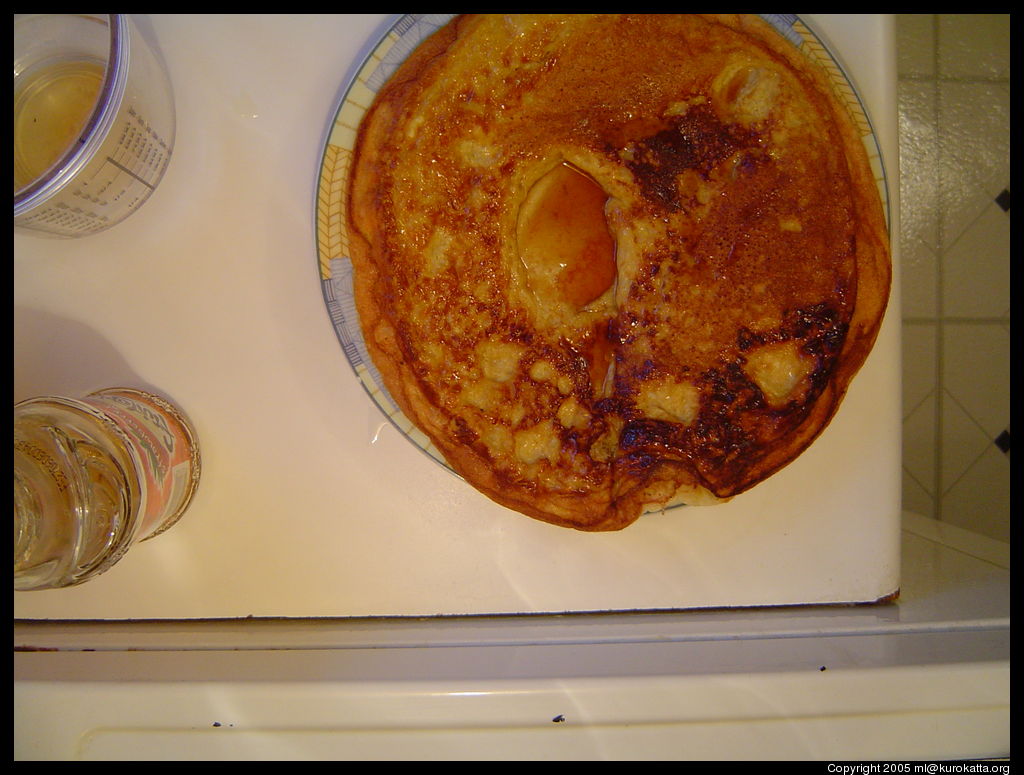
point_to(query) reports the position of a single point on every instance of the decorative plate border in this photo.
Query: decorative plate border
(335, 267)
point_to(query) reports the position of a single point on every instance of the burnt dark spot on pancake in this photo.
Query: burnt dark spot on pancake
(720, 386)
(801, 322)
(826, 343)
(746, 163)
(613, 331)
(832, 340)
(720, 442)
(635, 464)
(645, 433)
(647, 369)
(696, 140)
(820, 327)
(745, 339)
(519, 333)
(611, 406)
(461, 431)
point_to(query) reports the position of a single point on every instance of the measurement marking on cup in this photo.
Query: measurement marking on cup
(59, 51)
(123, 168)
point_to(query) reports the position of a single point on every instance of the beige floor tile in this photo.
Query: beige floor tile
(919, 294)
(980, 499)
(919, 198)
(915, 54)
(954, 123)
(974, 45)
(976, 373)
(919, 154)
(963, 442)
(916, 498)
(976, 268)
(919, 444)
(974, 151)
(919, 364)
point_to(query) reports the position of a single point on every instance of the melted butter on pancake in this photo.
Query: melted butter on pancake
(780, 370)
(746, 92)
(544, 371)
(573, 414)
(563, 239)
(538, 442)
(436, 253)
(499, 360)
(669, 399)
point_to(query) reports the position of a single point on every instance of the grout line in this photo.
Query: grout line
(995, 320)
(924, 488)
(970, 224)
(923, 491)
(985, 432)
(981, 453)
(963, 232)
(919, 404)
(963, 79)
(961, 475)
(939, 283)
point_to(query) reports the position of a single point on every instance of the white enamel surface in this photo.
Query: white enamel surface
(310, 503)
(744, 717)
(924, 678)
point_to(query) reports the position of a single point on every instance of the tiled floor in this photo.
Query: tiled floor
(954, 121)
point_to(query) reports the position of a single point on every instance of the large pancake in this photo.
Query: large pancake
(611, 262)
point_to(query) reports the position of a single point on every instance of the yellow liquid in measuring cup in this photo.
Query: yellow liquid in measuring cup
(50, 110)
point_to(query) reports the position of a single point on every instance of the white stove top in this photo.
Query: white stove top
(311, 503)
(925, 678)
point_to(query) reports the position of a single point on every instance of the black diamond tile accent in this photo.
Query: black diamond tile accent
(1003, 441)
(1003, 200)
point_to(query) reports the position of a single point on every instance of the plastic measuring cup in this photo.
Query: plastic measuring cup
(93, 122)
